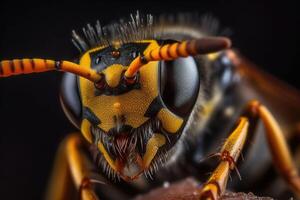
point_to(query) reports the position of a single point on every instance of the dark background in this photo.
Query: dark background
(32, 121)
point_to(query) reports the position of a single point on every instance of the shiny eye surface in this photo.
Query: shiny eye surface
(135, 54)
(180, 82)
(98, 60)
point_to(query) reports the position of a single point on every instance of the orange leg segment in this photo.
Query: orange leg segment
(230, 151)
(72, 168)
(229, 154)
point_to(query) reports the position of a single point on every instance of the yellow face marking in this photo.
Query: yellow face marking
(134, 103)
(106, 156)
(154, 143)
(85, 129)
(113, 75)
(170, 122)
(117, 108)
(85, 60)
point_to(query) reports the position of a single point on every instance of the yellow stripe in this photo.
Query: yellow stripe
(86, 130)
(106, 156)
(154, 143)
(170, 122)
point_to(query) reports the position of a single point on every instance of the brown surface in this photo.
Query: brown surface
(186, 190)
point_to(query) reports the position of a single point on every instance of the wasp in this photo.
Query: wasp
(152, 98)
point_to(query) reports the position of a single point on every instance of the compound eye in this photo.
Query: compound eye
(180, 82)
(98, 60)
(100, 85)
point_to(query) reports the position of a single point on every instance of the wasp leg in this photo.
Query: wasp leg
(229, 154)
(71, 169)
(278, 146)
(230, 151)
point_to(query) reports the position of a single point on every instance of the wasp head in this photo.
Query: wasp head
(122, 116)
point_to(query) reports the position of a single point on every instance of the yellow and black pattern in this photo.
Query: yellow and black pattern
(123, 112)
(133, 104)
(27, 66)
(178, 49)
(116, 114)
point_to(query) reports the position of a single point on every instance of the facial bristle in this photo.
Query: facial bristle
(141, 27)
(137, 28)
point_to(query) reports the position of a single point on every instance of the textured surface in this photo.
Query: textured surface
(186, 190)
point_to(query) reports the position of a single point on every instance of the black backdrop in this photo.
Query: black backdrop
(32, 122)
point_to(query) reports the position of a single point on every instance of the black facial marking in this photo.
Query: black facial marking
(155, 106)
(90, 116)
(121, 88)
(108, 56)
(115, 131)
